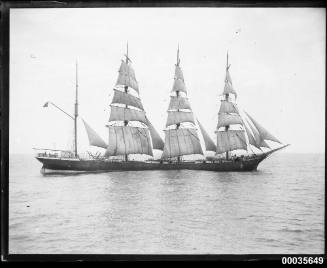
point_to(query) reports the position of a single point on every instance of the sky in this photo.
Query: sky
(277, 58)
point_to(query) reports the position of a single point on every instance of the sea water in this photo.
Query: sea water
(277, 209)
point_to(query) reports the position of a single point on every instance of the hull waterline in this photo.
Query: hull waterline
(80, 165)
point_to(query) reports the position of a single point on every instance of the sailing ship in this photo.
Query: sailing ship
(132, 134)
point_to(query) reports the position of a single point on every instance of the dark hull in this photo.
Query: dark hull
(79, 165)
(104, 166)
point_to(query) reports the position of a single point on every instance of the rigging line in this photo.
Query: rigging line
(122, 129)
(169, 144)
(150, 143)
(141, 133)
(141, 143)
(134, 137)
(179, 148)
(185, 141)
(191, 142)
(116, 147)
(191, 134)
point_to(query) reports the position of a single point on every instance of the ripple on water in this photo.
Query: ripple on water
(278, 209)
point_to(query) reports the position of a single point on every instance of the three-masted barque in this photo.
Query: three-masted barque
(132, 134)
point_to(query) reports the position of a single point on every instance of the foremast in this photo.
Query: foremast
(181, 136)
(232, 128)
(230, 135)
(130, 131)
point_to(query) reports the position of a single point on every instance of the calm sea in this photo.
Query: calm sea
(277, 209)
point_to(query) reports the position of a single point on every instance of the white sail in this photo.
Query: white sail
(251, 137)
(176, 117)
(228, 78)
(259, 141)
(124, 140)
(126, 76)
(228, 119)
(179, 85)
(122, 114)
(127, 99)
(262, 131)
(157, 141)
(178, 102)
(228, 107)
(264, 144)
(230, 140)
(228, 89)
(94, 138)
(208, 142)
(182, 141)
(179, 73)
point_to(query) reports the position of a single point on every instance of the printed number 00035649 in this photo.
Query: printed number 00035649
(302, 260)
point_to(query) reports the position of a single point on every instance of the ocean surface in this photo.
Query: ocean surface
(277, 209)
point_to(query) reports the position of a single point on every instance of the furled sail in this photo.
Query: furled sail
(230, 140)
(121, 97)
(228, 119)
(176, 117)
(124, 140)
(126, 76)
(262, 131)
(208, 142)
(182, 141)
(157, 142)
(122, 114)
(178, 102)
(94, 138)
(228, 107)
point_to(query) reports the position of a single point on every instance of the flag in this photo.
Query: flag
(46, 104)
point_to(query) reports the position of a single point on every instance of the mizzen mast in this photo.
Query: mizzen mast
(180, 139)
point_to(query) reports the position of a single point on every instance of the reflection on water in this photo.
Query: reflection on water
(277, 209)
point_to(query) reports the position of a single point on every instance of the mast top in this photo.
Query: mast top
(76, 64)
(178, 59)
(227, 64)
(126, 55)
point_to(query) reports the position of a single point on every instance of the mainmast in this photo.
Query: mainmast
(180, 139)
(76, 112)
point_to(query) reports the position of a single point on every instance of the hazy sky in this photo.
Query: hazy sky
(277, 57)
